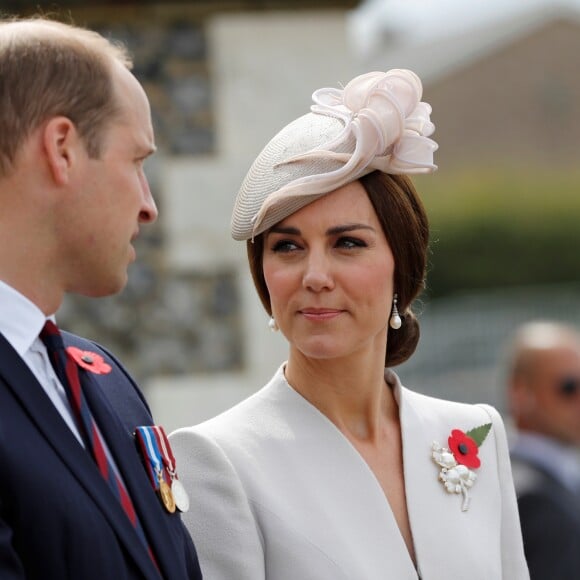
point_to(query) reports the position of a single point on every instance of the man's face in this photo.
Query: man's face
(555, 388)
(113, 197)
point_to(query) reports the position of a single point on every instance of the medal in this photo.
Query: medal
(155, 466)
(178, 491)
(165, 495)
(180, 495)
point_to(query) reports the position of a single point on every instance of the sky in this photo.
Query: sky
(419, 21)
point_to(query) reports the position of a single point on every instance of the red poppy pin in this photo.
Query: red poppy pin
(91, 361)
(459, 459)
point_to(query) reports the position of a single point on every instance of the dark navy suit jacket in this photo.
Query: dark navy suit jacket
(550, 519)
(58, 518)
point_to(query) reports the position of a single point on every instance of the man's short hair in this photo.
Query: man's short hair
(49, 69)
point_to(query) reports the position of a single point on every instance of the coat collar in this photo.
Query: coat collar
(449, 543)
(358, 496)
(463, 538)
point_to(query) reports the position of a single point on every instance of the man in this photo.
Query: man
(76, 497)
(544, 395)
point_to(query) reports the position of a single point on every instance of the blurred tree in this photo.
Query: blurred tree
(498, 230)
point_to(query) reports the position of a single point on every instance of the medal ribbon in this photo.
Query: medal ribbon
(148, 443)
(179, 494)
(166, 452)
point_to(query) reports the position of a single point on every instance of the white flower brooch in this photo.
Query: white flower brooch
(458, 461)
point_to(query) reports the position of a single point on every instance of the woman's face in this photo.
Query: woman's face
(329, 272)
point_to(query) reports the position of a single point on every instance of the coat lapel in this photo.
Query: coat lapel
(44, 415)
(353, 501)
(21, 381)
(463, 544)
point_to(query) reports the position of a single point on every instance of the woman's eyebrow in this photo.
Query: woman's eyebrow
(347, 228)
(333, 231)
(284, 230)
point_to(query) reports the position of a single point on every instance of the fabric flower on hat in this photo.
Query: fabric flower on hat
(88, 360)
(385, 113)
(377, 122)
(459, 459)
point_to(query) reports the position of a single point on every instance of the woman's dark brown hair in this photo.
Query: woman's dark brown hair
(404, 222)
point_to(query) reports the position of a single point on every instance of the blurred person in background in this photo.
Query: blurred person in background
(334, 469)
(544, 398)
(76, 498)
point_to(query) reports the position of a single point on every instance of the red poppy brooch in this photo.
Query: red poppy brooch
(458, 461)
(91, 361)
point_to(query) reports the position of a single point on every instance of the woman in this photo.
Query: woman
(333, 470)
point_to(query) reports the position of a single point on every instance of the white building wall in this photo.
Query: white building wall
(264, 69)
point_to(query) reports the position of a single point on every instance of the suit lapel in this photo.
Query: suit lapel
(121, 443)
(21, 381)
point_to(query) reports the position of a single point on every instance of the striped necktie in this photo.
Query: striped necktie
(67, 371)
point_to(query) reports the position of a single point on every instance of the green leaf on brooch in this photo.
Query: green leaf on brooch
(478, 434)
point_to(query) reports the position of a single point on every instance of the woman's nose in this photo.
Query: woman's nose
(318, 274)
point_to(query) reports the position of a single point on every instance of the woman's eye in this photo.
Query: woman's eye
(350, 243)
(284, 246)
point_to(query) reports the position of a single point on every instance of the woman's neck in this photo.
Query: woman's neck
(351, 393)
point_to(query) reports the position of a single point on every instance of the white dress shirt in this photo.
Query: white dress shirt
(21, 322)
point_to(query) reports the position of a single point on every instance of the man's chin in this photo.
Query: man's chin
(103, 288)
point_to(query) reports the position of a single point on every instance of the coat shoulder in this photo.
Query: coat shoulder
(464, 415)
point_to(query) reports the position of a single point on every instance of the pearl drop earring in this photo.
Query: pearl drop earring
(272, 324)
(395, 320)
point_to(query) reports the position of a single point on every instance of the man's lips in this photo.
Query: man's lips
(132, 251)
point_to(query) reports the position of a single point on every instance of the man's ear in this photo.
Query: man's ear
(522, 397)
(61, 143)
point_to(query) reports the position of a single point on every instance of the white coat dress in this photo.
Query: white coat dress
(279, 493)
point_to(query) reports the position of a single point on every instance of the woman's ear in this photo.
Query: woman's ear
(60, 143)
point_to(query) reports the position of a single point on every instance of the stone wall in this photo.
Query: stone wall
(171, 321)
(165, 322)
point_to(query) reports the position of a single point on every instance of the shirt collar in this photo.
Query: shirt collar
(20, 319)
(562, 461)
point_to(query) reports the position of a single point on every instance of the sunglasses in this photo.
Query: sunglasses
(569, 387)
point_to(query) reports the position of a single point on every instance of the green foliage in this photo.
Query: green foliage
(498, 230)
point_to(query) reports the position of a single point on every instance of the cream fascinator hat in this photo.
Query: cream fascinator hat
(376, 122)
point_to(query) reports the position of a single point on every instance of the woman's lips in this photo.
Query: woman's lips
(320, 314)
